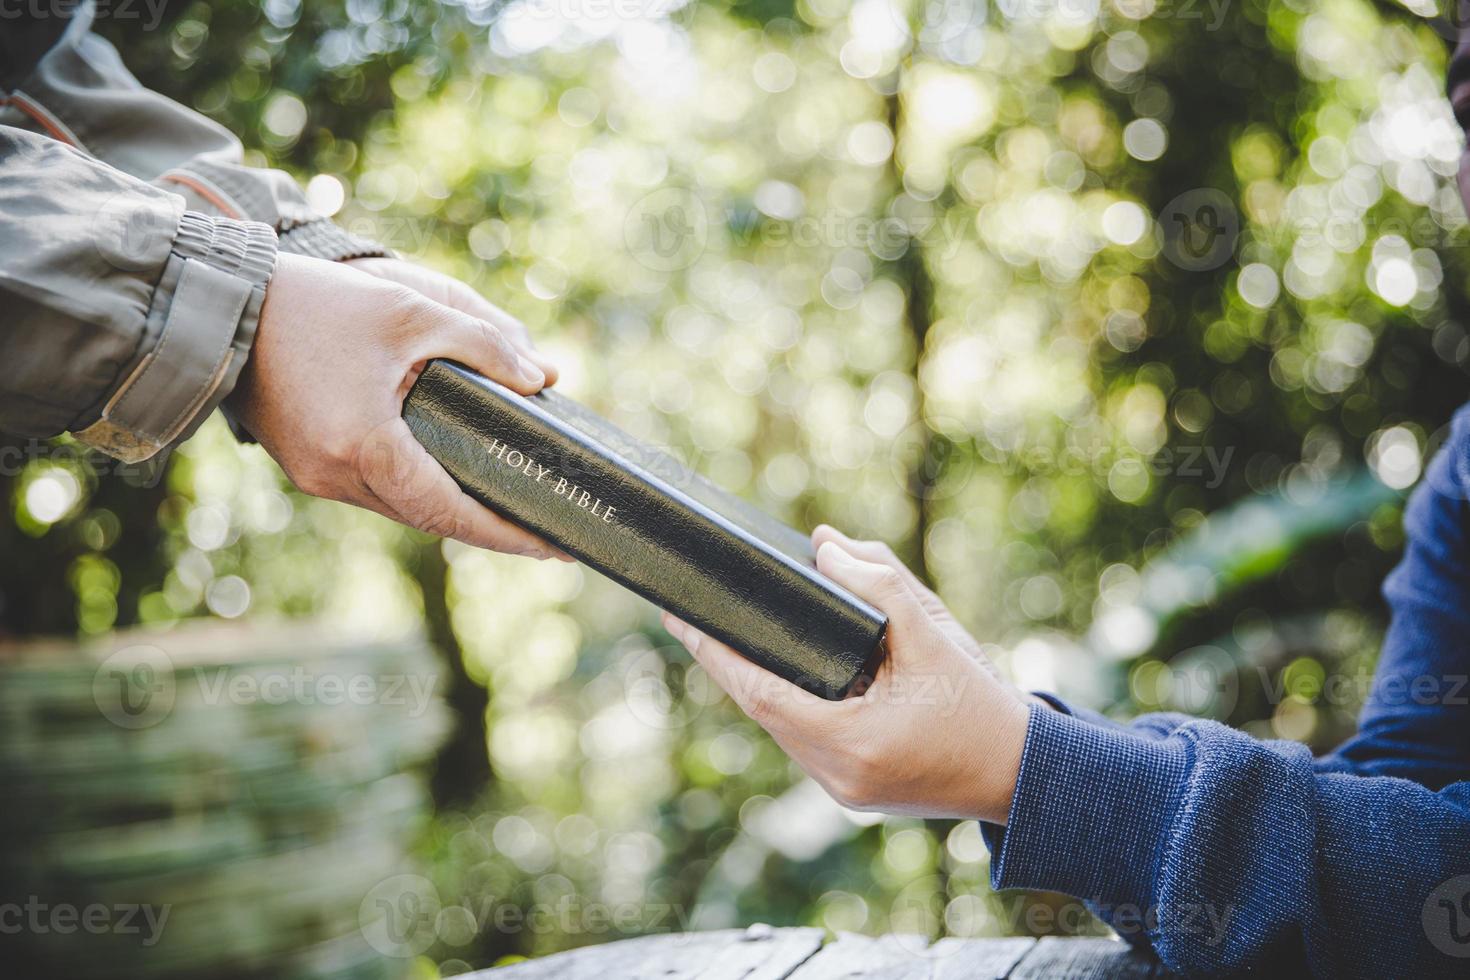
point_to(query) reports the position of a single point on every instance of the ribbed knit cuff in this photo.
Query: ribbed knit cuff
(324, 239)
(1092, 811)
(203, 316)
(244, 249)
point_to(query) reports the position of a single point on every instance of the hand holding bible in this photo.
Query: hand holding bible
(449, 291)
(937, 734)
(336, 351)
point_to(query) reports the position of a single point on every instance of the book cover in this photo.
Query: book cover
(640, 517)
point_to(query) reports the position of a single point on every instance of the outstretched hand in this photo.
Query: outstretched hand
(938, 733)
(449, 291)
(335, 353)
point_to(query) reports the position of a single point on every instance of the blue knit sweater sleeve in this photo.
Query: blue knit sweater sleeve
(1221, 852)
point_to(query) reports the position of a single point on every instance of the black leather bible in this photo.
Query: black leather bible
(650, 523)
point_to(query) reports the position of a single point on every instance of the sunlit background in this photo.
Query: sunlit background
(1126, 323)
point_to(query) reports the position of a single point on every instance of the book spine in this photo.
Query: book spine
(516, 457)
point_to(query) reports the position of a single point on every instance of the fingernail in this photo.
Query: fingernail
(530, 372)
(675, 628)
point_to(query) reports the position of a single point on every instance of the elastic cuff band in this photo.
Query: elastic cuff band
(1091, 810)
(244, 249)
(207, 305)
(323, 239)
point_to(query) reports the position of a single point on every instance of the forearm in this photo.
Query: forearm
(127, 318)
(1221, 853)
(80, 92)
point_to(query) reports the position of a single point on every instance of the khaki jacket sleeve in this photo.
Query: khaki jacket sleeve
(79, 92)
(125, 317)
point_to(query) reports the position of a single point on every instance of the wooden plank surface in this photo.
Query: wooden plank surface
(978, 959)
(1084, 959)
(764, 953)
(891, 957)
(757, 953)
(908, 957)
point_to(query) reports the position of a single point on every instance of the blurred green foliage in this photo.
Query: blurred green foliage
(1125, 322)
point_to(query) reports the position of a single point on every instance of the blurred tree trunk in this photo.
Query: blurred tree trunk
(462, 768)
(919, 296)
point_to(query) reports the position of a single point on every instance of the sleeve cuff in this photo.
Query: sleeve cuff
(202, 321)
(1091, 813)
(1057, 703)
(1083, 714)
(1159, 724)
(323, 239)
